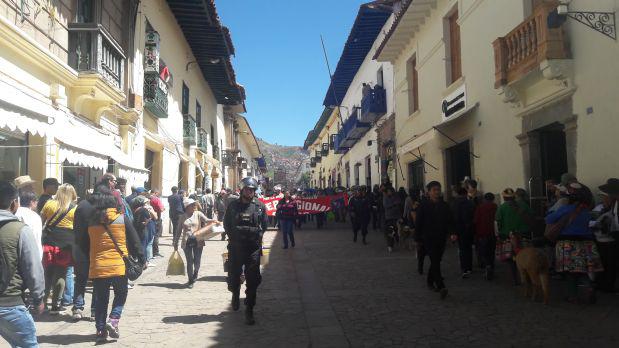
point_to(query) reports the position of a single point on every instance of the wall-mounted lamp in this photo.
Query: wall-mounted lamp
(602, 22)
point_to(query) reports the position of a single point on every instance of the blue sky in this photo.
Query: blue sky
(280, 62)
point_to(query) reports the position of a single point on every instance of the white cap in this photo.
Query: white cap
(188, 201)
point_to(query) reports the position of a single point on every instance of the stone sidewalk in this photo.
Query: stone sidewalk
(331, 292)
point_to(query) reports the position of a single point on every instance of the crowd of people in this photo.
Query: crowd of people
(53, 244)
(583, 250)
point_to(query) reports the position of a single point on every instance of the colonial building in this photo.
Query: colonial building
(137, 88)
(344, 144)
(509, 92)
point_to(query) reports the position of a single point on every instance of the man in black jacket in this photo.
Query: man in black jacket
(434, 223)
(360, 212)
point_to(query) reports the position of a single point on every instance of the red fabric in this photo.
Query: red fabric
(156, 203)
(304, 205)
(484, 220)
(54, 256)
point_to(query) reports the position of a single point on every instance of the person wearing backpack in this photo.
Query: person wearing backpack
(58, 242)
(111, 238)
(20, 267)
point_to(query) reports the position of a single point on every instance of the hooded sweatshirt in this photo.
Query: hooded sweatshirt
(22, 257)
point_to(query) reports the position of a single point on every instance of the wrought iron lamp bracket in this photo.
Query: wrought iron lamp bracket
(603, 22)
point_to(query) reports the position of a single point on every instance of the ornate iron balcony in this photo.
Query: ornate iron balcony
(229, 158)
(155, 95)
(216, 152)
(93, 50)
(189, 130)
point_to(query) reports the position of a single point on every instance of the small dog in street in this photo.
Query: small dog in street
(533, 266)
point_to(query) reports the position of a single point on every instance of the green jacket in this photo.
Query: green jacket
(510, 220)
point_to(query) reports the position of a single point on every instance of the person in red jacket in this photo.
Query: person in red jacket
(484, 233)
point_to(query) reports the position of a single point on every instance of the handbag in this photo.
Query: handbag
(553, 231)
(133, 268)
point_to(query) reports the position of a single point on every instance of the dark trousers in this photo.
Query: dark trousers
(421, 257)
(287, 227)
(79, 287)
(193, 255)
(320, 220)
(465, 251)
(55, 283)
(101, 288)
(435, 277)
(175, 230)
(608, 253)
(375, 218)
(359, 225)
(158, 230)
(247, 256)
(485, 249)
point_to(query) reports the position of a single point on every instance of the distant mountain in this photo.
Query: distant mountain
(285, 164)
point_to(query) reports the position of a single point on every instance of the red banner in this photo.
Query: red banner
(306, 205)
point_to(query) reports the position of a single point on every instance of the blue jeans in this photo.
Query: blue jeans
(67, 298)
(149, 237)
(101, 288)
(17, 327)
(287, 230)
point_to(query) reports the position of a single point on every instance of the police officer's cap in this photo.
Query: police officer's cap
(249, 182)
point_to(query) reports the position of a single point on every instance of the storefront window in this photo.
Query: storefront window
(13, 160)
(82, 178)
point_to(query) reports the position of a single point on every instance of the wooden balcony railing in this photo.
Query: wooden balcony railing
(92, 49)
(203, 140)
(526, 46)
(155, 94)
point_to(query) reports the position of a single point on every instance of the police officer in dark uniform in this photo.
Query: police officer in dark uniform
(245, 222)
(360, 209)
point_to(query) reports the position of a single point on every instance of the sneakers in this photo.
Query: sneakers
(249, 316)
(466, 274)
(389, 250)
(443, 293)
(101, 337)
(55, 310)
(158, 255)
(112, 328)
(151, 264)
(236, 302)
(190, 285)
(92, 315)
(77, 314)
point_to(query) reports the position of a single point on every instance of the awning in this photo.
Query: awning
(88, 146)
(416, 141)
(21, 120)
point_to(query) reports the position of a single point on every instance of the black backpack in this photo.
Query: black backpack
(5, 270)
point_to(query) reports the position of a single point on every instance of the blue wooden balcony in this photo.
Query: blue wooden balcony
(338, 148)
(373, 104)
(353, 129)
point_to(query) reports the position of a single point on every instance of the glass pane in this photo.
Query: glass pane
(13, 160)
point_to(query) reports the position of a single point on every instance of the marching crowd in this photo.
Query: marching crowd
(577, 237)
(52, 245)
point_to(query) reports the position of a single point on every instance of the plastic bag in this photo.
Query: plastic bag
(176, 266)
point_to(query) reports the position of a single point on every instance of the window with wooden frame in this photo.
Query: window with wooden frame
(413, 85)
(455, 63)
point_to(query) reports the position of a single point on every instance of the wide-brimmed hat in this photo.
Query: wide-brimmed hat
(508, 193)
(188, 201)
(611, 187)
(23, 180)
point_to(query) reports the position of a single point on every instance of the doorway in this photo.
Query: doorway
(553, 153)
(416, 175)
(458, 163)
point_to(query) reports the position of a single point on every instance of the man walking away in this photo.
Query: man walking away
(209, 203)
(464, 214)
(175, 201)
(360, 213)
(434, 223)
(20, 267)
(50, 187)
(484, 233)
(393, 212)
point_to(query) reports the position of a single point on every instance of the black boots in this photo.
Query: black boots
(235, 301)
(249, 316)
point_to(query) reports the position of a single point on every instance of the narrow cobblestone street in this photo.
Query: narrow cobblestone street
(329, 292)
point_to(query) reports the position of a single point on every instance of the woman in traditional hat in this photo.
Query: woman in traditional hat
(514, 222)
(577, 255)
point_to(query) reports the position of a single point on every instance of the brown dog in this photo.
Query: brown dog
(533, 266)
